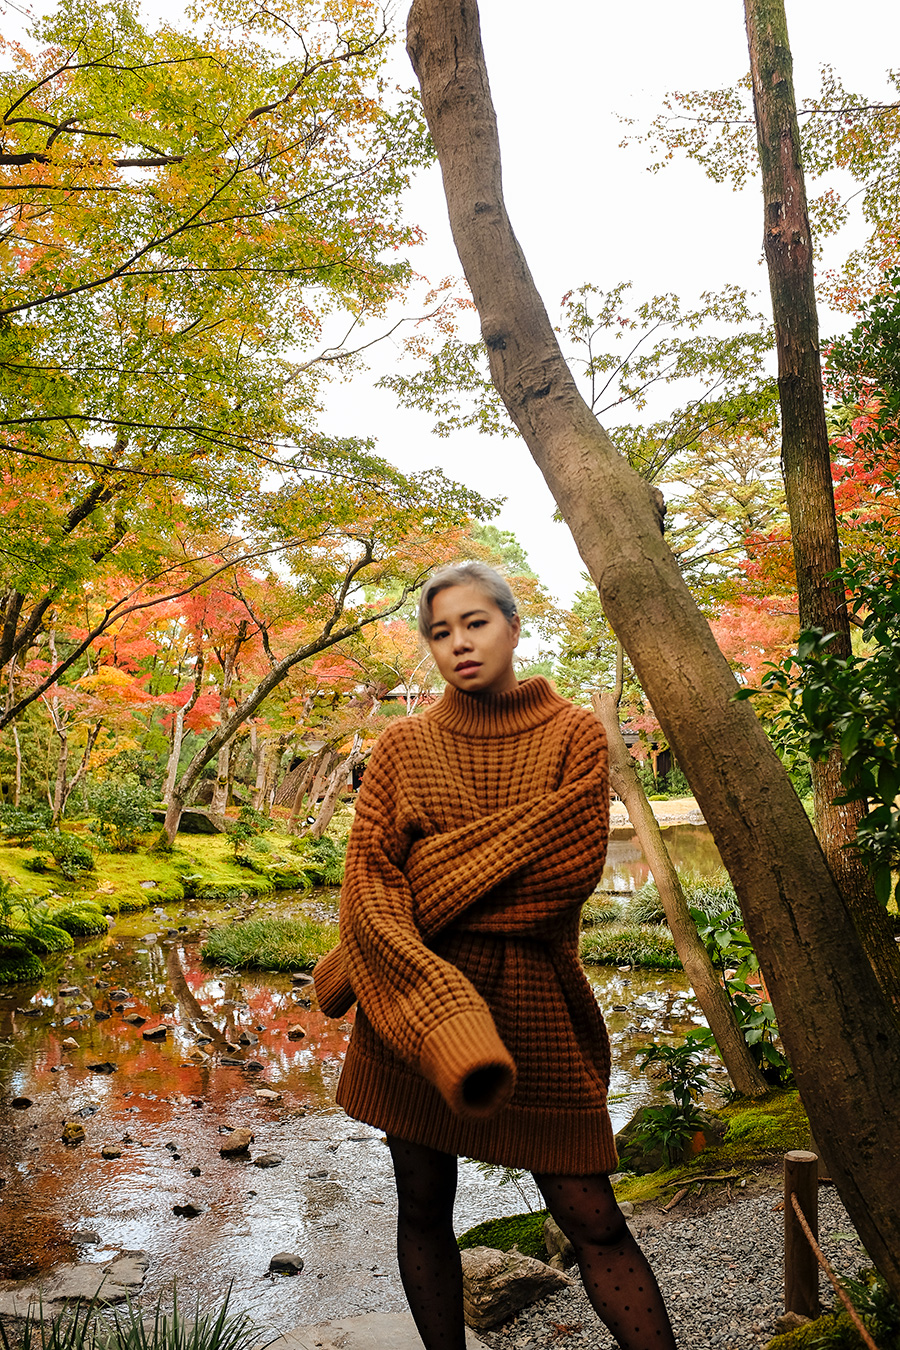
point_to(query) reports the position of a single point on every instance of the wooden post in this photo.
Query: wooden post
(801, 1270)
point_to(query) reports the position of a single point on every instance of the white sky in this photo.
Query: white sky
(585, 209)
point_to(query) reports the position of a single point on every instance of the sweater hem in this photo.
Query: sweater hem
(555, 1139)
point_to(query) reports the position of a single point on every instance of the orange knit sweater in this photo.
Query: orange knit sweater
(480, 830)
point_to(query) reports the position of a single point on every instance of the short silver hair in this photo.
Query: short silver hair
(478, 574)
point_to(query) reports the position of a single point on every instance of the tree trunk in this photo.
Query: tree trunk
(835, 1022)
(742, 1068)
(17, 795)
(178, 730)
(62, 769)
(805, 453)
(336, 783)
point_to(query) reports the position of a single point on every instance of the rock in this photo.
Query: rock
(102, 1016)
(248, 1038)
(232, 1061)
(69, 991)
(111, 1151)
(30, 1012)
(263, 1095)
(148, 885)
(112, 1282)
(171, 1146)
(195, 1171)
(254, 1066)
(286, 1263)
(70, 1043)
(89, 1110)
(23, 1103)
(73, 1132)
(189, 1210)
(238, 1141)
(197, 1056)
(302, 1001)
(299, 977)
(789, 1321)
(150, 938)
(134, 1019)
(155, 1034)
(119, 994)
(196, 822)
(558, 1245)
(167, 1007)
(86, 1236)
(498, 1284)
(105, 1067)
(268, 1160)
(296, 1033)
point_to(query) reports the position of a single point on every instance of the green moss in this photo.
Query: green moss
(46, 938)
(831, 1332)
(525, 1231)
(18, 965)
(649, 947)
(270, 944)
(80, 920)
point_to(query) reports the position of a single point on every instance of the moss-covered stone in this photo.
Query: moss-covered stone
(831, 1332)
(80, 920)
(525, 1231)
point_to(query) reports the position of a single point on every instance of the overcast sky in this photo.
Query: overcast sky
(563, 72)
(584, 209)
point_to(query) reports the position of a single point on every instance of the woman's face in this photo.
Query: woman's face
(472, 641)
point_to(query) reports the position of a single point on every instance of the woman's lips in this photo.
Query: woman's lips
(466, 667)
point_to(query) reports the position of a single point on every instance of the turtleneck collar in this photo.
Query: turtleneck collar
(530, 704)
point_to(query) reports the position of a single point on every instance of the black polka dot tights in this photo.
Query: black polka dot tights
(617, 1278)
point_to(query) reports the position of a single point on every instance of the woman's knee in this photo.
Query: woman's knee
(584, 1207)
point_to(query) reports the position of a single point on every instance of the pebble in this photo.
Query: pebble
(268, 1160)
(286, 1263)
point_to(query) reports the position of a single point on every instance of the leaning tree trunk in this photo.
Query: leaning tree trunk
(336, 783)
(836, 1024)
(805, 452)
(742, 1068)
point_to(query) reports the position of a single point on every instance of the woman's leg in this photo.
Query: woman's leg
(617, 1277)
(426, 1246)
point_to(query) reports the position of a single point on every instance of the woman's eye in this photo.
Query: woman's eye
(436, 637)
(477, 623)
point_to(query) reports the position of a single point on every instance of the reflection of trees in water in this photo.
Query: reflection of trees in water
(691, 848)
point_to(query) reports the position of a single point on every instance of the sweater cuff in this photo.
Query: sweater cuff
(469, 1065)
(333, 988)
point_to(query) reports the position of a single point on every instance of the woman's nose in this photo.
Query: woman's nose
(460, 641)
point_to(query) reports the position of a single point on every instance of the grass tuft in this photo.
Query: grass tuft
(270, 944)
(648, 947)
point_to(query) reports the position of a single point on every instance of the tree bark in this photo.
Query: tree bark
(835, 1022)
(178, 730)
(805, 452)
(742, 1068)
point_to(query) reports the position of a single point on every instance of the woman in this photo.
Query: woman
(480, 830)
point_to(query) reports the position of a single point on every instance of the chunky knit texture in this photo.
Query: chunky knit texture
(480, 830)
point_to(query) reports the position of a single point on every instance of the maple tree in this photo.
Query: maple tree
(194, 220)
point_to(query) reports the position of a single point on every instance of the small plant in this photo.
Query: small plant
(121, 812)
(249, 825)
(39, 864)
(725, 938)
(326, 865)
(668, 1128)
(687, 1076)
(645, 906)
(71, 856)
(506, 1176)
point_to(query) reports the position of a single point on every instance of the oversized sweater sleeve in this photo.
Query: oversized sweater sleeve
(423, 1007)
(554, 849)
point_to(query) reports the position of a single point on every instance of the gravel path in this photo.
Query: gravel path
(721, 1273)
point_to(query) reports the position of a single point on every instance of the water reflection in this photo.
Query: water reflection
(164, 1108)
(691, 848)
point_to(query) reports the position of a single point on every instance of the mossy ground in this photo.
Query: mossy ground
(756, 1135)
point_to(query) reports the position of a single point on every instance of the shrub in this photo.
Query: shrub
(23, 822)
(326, 866)
(18, 965)
(121, 811)
(598, 912)
(80, 920)
(71, 856)
(270, 944)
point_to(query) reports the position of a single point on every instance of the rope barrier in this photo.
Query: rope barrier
(823, 1262)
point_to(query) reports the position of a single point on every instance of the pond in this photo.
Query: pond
(330, 1199)
(691, 848)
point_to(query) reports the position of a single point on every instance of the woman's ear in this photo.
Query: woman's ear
(515, 624)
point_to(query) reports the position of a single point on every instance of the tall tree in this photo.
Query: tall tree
(805, 452)
(837, 1027)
